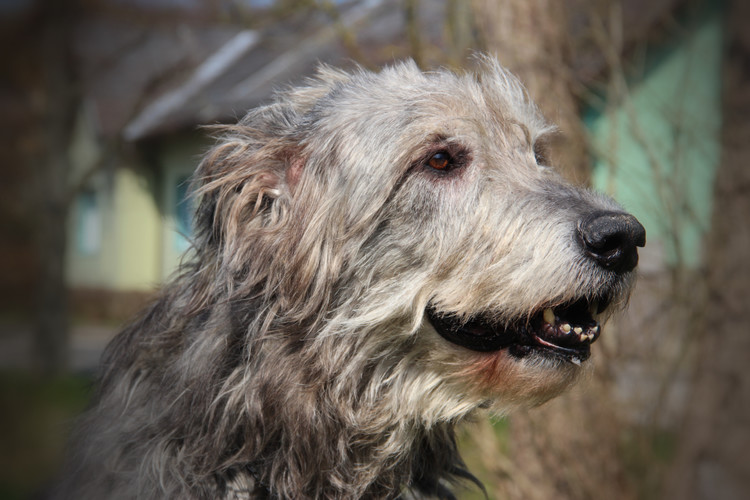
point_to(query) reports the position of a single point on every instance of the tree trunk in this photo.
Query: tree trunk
(713, 461)
(568, 448)
(530, 37)
(52, 198)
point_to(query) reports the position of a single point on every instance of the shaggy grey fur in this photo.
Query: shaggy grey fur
(293, 357)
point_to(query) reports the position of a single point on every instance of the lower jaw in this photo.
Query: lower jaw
(509, 382)
(575, 356)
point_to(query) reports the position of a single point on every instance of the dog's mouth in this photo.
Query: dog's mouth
(565, 331)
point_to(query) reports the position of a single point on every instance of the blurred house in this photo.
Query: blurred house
(150, 88)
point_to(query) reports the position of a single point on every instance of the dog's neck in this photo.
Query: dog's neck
(304, 432)
(431, 463)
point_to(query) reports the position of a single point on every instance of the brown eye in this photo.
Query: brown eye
(440, 161)
(540, 154)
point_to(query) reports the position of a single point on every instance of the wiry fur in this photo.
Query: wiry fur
(291, 358)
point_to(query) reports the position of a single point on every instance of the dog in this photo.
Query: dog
(377, 257)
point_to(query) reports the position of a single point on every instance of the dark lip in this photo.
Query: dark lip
(476, 334)
(526, 335)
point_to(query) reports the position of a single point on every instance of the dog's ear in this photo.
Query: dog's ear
(256, 200)
(263, 147)
(246, 179)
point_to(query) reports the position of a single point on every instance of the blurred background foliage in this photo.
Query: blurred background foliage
(102, 102)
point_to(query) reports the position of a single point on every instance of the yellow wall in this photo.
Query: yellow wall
(129, 243)
(137, 227)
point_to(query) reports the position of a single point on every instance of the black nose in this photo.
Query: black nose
(611, 239)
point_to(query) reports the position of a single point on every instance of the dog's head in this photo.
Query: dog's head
(407, 225)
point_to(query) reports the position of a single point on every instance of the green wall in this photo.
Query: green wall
(656, 143)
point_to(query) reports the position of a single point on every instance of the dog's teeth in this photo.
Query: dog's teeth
(575, 361)
(578, 330)
(549, 316)
(595, 330)
(565, 327)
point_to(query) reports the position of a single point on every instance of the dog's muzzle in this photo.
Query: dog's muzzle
(610, 239)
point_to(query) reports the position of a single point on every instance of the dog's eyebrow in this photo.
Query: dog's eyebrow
(524, 129)
(432, 142)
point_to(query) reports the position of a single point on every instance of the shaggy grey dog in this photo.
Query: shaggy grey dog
(377, 257)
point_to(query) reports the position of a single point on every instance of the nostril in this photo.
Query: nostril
(612, 238)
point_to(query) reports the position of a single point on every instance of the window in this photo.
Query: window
(88, 223)
(183, 214)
